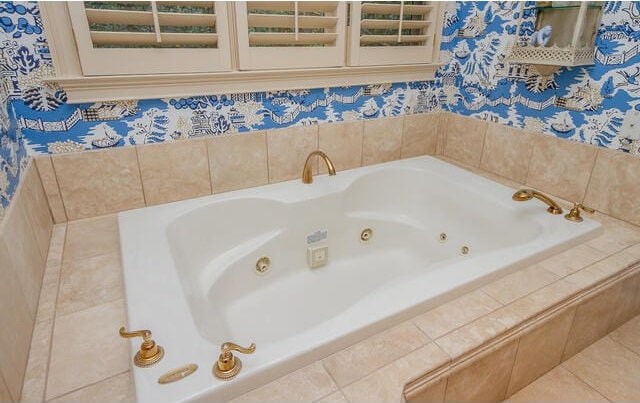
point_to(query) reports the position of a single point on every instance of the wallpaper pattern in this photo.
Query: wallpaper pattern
(587, 104)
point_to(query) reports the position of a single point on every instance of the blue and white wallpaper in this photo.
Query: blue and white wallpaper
(587, 104)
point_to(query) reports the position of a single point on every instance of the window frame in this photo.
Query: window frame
(81, 88)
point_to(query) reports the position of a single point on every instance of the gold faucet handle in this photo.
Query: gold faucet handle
(149, 352)
(228, 366)
(228, 347)
(574, 213)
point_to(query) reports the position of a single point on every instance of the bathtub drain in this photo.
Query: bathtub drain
(263, 265)
(366, 234)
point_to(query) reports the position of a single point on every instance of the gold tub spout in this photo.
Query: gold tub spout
(307, 175)
(528, 194)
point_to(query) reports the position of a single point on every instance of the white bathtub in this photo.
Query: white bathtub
(190, 266)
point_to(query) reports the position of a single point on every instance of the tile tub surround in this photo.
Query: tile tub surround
(374, 369)
(93, 183)
(25, 234)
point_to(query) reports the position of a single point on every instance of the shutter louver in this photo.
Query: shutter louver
(290, 34)
(148, 37)
(395, 32)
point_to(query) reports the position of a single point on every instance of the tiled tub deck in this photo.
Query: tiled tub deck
(77, 355)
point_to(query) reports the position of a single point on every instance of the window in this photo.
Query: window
(383, 33)
(149, 37)
(291, 34)
(105, 50)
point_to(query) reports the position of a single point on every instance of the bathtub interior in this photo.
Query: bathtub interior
(215, 248)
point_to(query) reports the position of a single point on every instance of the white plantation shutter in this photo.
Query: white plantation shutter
(151, 37)
(393, 32)
(290, 34)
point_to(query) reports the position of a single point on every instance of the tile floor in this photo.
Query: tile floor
(606, 371)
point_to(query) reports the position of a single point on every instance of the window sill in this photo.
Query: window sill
(109, 88)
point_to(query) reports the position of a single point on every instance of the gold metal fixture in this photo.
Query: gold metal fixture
(528, 194)
(149, 353)
(307, 175)
(366, 234)
(464, 250)
(263, 265)
(177, 374)
(228, 366)
(574, 213)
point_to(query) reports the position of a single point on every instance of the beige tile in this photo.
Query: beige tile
(94, 183)
(116, 389)
(613, 188)
(370, 354)
(610, 368)
(287, 150)
(561, 167)
(432, 392)
(5, 396)
(420, 134)
(476, 333)
(598, 271)
(172, 171)
(464, 138)
(507, 151)
(617, 235)
(572, 260)
(51, 189)
(75, 338)
(628, 301)
(519, 284)
(543, 299)
(48, 294)
(16, 329)
(558, 385)
(306, 384)
(485, 379)
(386, 384)
(456, 313)
(540, 350)
(36, 373)
(591, 321)
(382, 140)
(342, 142)
(335, 397)
(238, 161)
(36, 206)
(24, 254)
(92, 237)
(58, 235)
(89, 282)
(442, 133)
(628, 335)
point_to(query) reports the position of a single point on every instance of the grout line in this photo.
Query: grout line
(484, 142)
(584, 382)
(46, 196)
(364, 126)
(622, 344)
(322, 364)
(492, 298)
(55, 177)
(533, 150)
(209, 166)
(144, 193)
(593, 167)
(55, 316)
(513, 365)
(89, 385)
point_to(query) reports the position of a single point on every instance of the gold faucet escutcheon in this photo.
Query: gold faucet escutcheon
(574, 213)
(228, 366)
(149, 352)
(528, 194)
(307, 175)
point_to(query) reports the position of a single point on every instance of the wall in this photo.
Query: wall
(476, 81)
(473, 81)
